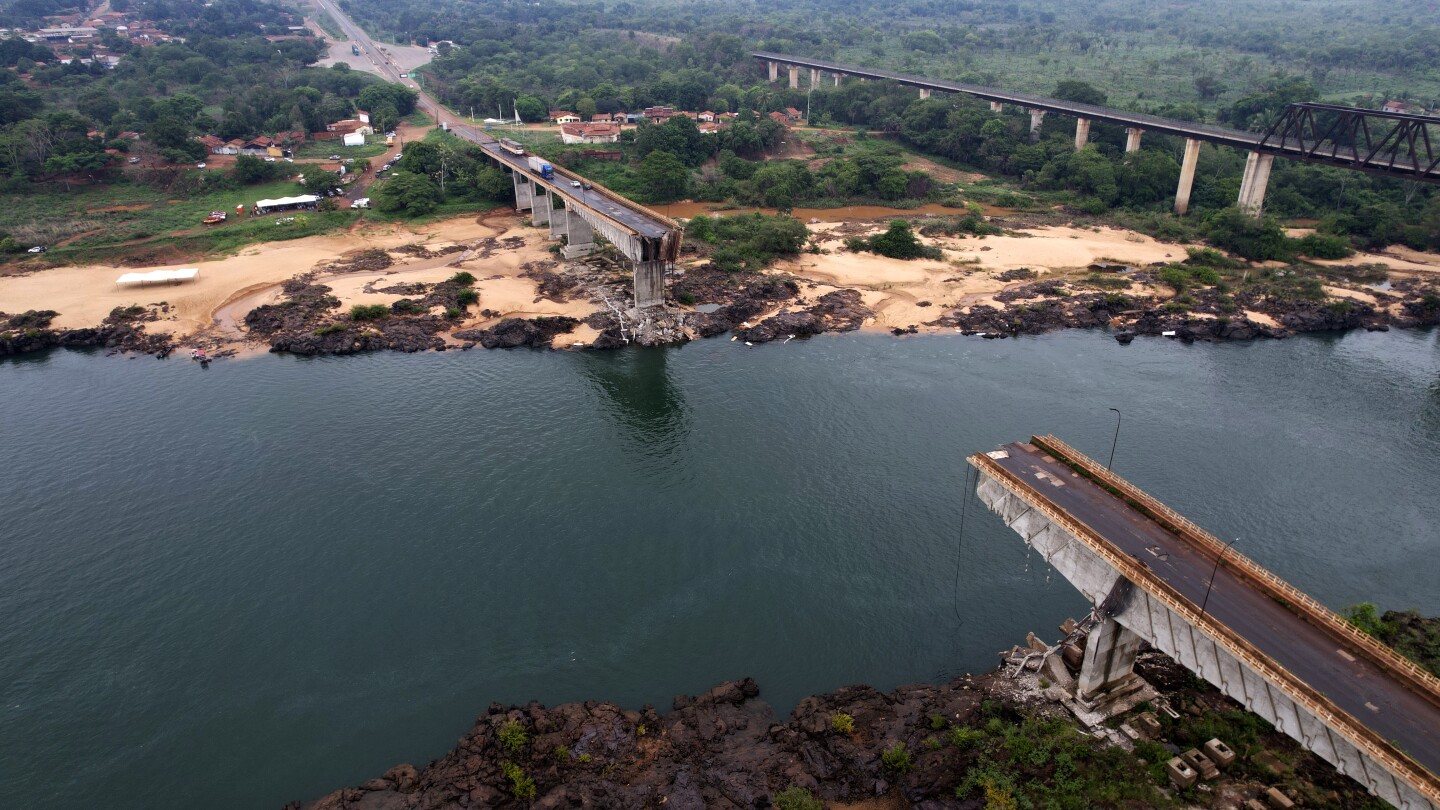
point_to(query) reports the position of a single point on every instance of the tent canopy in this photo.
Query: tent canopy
(182, 274)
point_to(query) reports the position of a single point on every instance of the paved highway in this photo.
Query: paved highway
(632, 216)
(1361, 688)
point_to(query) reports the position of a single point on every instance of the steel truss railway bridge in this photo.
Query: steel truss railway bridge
(1397, 145)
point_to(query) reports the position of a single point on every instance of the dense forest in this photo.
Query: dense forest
(1222, 61)
(225, 78)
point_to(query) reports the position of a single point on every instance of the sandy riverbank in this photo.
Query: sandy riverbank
(904, 293)
(229, 287)
(510, 260)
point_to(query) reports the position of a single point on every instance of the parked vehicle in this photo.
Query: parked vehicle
(215, 218)
(333, 157)
(38, 249)
(363, 202)
(134, 160)
(354, 49)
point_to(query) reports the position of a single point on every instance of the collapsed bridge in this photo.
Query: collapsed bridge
(1351, 700)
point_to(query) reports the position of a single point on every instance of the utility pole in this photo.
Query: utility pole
(1114, 441)
(1213, 572)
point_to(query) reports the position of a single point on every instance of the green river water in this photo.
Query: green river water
(233, 587)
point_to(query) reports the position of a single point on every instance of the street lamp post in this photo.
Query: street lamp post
(1213, 572)
(1114, 441)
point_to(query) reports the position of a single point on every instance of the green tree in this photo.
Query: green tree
(664, 175)
(898, 242)
(1080, 92)
(1256, 239)
(412, 193)
(530, 109)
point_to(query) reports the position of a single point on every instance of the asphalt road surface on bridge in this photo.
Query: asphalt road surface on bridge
(1378, 701)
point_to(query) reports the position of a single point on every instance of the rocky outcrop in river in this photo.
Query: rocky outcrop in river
(122, 330)
(720, 749)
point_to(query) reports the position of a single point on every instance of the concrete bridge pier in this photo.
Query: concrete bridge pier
(1132, 139)
(1082, 133)
(794, 77)
(1037, 117)
(524, 192)
(1109, 663)
(1252, 187)
(838, 77)
(924, 93)
(1187, 176)
(649, 284)
(814, 78)
(774, 71)
(559, 221)
(579, 236)
(996, 107)
(540, 211)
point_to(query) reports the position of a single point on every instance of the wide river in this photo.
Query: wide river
(233, 587)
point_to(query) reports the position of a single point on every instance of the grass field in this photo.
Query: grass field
(88, 223)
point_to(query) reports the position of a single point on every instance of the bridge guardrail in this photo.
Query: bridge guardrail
(1297, 690)
(1326, 618)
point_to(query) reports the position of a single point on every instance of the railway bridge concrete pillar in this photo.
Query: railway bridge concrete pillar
(996, 107)
(1187, 176)
(1082, 133)
(649, 284)
(794, 77)
(1132, 139)
(774, 71)
(814, 78)
(1252, 187)
(1109, 660)
(540, 210)
(838, 77)
(1037, 117)
(924, 92)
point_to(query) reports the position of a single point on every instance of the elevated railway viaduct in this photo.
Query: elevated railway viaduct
(1392, 144)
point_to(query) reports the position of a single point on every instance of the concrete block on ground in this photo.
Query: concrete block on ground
(1068, 626)
(1219, 753)
(1254, 804)
(1278, 800)
(1181, 774)
(1129, 732)
(1148, 724)
(1200, 763)
(1035, 644)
